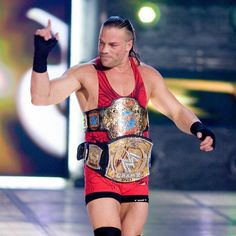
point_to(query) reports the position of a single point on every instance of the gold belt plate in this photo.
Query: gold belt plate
(94, 156)
(125, 117)
(128, 159)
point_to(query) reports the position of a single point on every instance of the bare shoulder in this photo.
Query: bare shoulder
(152, 78)
(81, 71)
(149, 73)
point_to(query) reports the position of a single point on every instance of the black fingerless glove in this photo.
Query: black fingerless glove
(42, 48)
(199, 127)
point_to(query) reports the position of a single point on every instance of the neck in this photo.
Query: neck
(123, 66)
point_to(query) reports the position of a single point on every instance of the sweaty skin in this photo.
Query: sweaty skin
(114, 45)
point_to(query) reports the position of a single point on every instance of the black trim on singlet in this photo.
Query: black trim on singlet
(92, 196)
(121, 199)
(135, 198)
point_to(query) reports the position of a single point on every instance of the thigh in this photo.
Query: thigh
(133, 218)
(104, 212)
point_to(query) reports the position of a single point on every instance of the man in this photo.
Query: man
(113, 91)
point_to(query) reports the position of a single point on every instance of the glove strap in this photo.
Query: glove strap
(196, 127)
(199, 127)
(42, 49)
(39, 64)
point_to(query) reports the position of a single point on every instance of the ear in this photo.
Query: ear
(129, 45)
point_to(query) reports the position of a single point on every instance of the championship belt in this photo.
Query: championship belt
(125, 159)
(129, 159)
(124, 117)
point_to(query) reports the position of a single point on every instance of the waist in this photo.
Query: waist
(103, 136)
(125, 159)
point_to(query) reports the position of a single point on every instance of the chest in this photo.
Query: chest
(122, 83)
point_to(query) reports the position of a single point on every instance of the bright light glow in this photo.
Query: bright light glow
(22, 182)
(179, 88)
(46, 125)
(6, 81)
(76, 134)
(77, 31)
(83, 33)
(147, 14)
(203, 85)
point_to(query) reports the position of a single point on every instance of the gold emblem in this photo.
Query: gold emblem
(93, 117)
(128, 159)
(94, 156)
(125, 117)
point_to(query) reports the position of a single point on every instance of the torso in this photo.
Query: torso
(121, 83)
(103, 87)
(126, 84)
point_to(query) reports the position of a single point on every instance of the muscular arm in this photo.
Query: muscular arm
(43, 90)
(46, 92)
(165, 102)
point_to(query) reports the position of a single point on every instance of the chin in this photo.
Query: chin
(106, 63)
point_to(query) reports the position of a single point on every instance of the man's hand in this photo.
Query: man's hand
(46, 33)
(44, 41)
(205, 135)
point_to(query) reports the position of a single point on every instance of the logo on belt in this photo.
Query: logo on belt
(125, 159)
(124, 117)
(128, 159)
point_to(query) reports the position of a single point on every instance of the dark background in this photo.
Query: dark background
(194, 41)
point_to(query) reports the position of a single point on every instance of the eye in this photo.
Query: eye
(101, 43)
(114, 45)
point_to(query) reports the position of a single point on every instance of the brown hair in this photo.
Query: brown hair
(119, 22)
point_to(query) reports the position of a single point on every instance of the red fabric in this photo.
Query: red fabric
(106, 95)
(93, 181)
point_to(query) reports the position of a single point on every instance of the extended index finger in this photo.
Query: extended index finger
(49, 26)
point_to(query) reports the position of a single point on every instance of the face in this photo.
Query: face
(113, 46)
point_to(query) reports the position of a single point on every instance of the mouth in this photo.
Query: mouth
(104, 56)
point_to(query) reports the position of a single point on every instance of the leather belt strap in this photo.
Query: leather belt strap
(125, 159)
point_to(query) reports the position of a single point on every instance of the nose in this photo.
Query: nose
(103, 48)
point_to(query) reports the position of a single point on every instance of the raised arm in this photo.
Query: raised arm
(43, 90)
(165, 102)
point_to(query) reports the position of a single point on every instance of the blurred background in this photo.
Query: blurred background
(191, 43)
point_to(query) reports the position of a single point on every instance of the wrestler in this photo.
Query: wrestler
(113, 91)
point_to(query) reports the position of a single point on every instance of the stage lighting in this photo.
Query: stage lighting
(149, 13)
